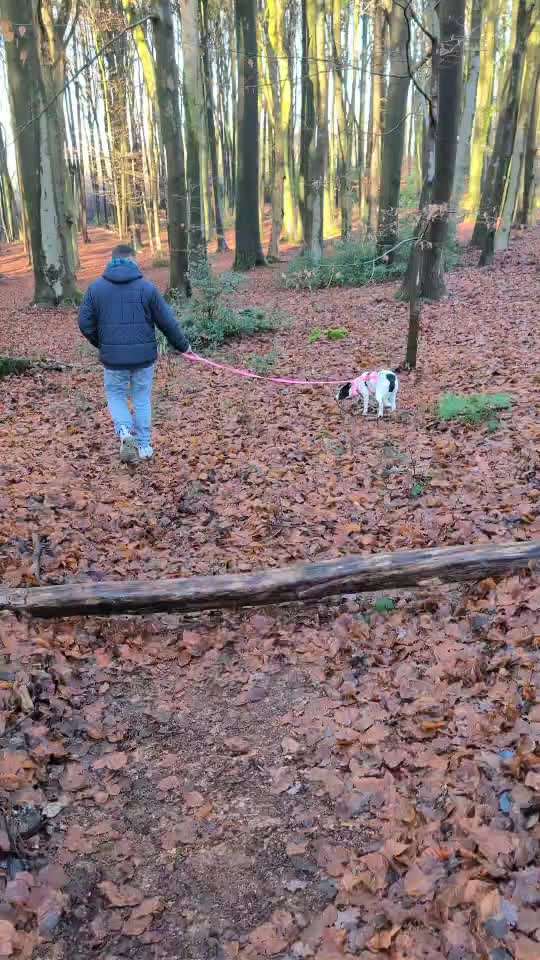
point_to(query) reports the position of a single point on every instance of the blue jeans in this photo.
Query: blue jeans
(134, 385)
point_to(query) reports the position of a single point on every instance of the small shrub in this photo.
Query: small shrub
(418, 489)
(384, 605)
(475, 408)
(316, 335)
(208, 317)
(336, 333)
(263, 363)
(348, 265)
(13, 366)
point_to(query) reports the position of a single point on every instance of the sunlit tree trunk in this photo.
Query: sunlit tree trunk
(211, 127)
(514, 177)
(497, 171)
(167, 93)
(195, 125)
(483, 112)
(343, 176)
(7, 195)
(469, 105)
(452, 16)
(248, 235)
(314, 129)
(36, 73)
(531, 151)
(377, 113)
(362, 119)
(394, 132)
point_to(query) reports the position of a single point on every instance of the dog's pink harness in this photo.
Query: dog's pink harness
(368, 379)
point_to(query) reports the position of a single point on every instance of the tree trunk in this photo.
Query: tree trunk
(527, 205)
(394, 133)
(167, 93)
(493, 192)
(362, 134)
(343, 176)
(482, 116)
(9, 207)
(377, 114)
(463, 156)
(248, 234)
(302, 582)
(514, 176)
(314, 130)
(195, 117)
(452, 16)
(211, 127)
(36, 71)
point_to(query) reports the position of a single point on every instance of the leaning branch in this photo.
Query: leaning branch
(310, 581)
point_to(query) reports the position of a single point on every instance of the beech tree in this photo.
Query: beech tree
(248, 236)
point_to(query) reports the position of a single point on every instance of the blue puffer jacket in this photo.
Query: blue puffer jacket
(120, 313)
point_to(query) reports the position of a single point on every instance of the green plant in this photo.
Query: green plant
(418, 489)
(13, 366)
(263, 363)
(384, 605)
(315, 335)
(336, 333)
(347, 265)
(208, 317)
(475, 408)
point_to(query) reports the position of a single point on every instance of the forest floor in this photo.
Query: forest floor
(323, 780)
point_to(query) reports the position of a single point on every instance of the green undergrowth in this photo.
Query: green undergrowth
(210, 318)
(474, 408)
(14, 366)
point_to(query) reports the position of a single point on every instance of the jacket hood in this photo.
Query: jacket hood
(122, 271)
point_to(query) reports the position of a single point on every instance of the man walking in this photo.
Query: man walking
(119, 315)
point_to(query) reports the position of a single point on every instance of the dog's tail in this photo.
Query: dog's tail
(391, 377)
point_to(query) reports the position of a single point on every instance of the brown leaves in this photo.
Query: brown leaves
(116, 760)
(8, 936)
(120, 896)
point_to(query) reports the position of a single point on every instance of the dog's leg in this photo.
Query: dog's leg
(380, 401)
(365, 394)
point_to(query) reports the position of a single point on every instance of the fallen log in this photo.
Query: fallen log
(308, 581)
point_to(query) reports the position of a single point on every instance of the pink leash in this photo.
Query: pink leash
(241, 372)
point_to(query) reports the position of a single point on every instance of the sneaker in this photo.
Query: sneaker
(146, 452)
(129, 452)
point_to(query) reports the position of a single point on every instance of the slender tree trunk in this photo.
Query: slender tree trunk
(493, 192)
(514, 177)
(531, 149)
(362, 134)
(467, 117)
(280, 101)
(9, 207)
(452, 16)
(211, 127)
(394, 133)
(482, 116)
(342, 125)
(35, 75)
(248, 235)
(194, 124)
(167, 87)
(377, 113)
(314, 131)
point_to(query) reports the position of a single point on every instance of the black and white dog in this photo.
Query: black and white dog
(381, 384)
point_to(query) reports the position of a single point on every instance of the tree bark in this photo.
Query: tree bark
(248, 234)
(483, 112)
(314, 130)
(353, 574)
(167, 92)
(463, 156)
(377, 114)
(394, 133)
(211, 127)
(493, 191)
(35, 59)
(195, 117)
(9, 207)
(531, 151)
(452, 16)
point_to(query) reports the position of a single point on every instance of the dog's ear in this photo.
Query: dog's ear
(344, 392)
